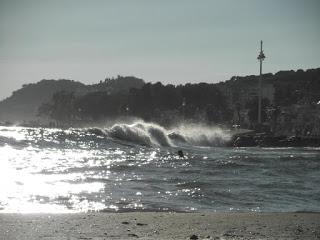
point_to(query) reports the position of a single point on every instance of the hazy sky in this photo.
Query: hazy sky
(172, 41)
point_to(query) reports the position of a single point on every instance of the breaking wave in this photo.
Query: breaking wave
(141, 133)
(200, 135)
(151, 134)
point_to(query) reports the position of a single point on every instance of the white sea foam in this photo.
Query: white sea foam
(152, 134)
(141, 133)
(200, 135)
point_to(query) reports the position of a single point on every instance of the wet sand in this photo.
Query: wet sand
(151, 225)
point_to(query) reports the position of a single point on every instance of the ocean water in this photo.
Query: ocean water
(136, 168)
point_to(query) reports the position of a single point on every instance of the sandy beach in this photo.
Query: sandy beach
(151, 225)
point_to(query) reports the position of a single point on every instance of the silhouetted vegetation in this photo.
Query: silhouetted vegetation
(153, 102)
(252, 106)
(23, 104)
(61, 108)
(230, 102)
(301, 87)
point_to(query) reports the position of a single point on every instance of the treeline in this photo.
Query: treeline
(280, 90)
(24, 102)
(290, 87)
(300, 87)
(117, 85)
(229, 102)
(152, 102)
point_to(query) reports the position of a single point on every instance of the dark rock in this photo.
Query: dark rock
(141, 224)
(245, 141)
(133, 235)
(194, 237)
(299, 230)
(229, 234)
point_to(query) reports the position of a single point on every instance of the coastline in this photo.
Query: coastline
(159, 225)
(238, 137)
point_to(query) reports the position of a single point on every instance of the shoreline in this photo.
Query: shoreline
(244, 138)
(160, 225)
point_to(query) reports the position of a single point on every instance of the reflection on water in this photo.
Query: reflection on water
(33, 181)
(54, 170)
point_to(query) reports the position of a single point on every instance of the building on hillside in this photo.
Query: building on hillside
(299, 120)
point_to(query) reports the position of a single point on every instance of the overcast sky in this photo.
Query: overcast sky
(172, 41)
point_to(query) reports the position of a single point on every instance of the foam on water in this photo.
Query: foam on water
(140, 133)
(152, 134)
(200, 135)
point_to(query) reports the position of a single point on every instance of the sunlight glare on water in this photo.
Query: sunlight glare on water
(26, 183)
(81, 170)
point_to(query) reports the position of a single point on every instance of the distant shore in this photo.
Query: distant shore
(153, 225)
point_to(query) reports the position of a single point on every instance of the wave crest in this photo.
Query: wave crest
(141, 133)
(151, 134)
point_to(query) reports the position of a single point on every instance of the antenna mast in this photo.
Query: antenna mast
(261, 57)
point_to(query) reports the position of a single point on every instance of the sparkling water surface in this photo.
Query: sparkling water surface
(130, 168)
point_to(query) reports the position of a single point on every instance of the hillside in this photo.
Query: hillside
(229, 102)
(283, 88)
(121, 84)
(23, 104)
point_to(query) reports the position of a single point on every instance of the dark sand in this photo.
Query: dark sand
(160, 226)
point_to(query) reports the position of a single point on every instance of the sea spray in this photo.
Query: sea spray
(148, 134)
(139, 132)
(152, 134)
(200, 135)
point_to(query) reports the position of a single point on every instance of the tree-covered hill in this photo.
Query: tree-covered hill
(23, 104)
(289, 87)
(229, 102)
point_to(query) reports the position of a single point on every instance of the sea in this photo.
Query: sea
(136, 167)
